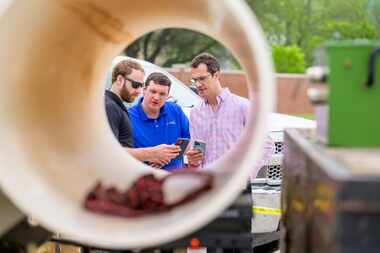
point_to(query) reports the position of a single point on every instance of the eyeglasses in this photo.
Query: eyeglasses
(200, 79)
(134, 84)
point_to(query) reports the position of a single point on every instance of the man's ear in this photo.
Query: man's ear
(216, 74)
(119, 78)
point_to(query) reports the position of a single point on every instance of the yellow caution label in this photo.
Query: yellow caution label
(266, 210)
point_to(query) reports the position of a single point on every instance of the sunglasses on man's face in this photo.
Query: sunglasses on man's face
(134, 84)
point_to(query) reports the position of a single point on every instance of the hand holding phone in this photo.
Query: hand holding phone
(196, 155)
(182, 143)
(199, 145)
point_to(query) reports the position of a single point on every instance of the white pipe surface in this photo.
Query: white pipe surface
(54, 138)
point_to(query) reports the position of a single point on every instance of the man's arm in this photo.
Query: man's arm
(244, 109)
(141, 154)
(194, 156)
(113, 117)
(161, 154)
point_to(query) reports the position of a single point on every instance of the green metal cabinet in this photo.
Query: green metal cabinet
(354, 105)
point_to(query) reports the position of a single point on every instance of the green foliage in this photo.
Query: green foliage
(373, 8)
(306, 24)
(288, 59)
(176, 46)
(348, 30)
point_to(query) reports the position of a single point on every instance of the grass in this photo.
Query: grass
(306, 115)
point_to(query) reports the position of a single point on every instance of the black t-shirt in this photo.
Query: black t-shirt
(118, 119)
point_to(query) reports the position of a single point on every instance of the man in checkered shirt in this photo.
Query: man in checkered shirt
(220, 119)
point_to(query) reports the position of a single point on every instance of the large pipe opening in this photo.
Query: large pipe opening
(55, 139)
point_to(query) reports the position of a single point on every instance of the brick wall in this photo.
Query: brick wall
(291, 89)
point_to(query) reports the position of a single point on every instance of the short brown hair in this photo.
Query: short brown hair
(124, 68)
(207, 59)
(158, 78)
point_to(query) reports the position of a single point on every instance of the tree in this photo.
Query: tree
(306, 24)
(373, 8)
(309, 23)
(175, 46)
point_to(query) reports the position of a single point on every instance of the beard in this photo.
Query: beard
(126, 96)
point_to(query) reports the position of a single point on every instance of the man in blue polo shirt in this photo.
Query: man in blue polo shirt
(127, 81)
(155, 121)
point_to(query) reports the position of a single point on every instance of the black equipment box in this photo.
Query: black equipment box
(330, 197)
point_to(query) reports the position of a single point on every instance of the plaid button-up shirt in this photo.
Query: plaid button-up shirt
(221, 128)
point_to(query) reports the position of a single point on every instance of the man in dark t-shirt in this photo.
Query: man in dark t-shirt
(127, 81)
(118, 119)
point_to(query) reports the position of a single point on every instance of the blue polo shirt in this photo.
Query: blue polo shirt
(171, 124)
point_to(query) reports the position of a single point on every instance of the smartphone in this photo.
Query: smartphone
(182, 143)
(200, 145)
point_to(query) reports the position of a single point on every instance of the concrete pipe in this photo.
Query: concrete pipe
(55, 140)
